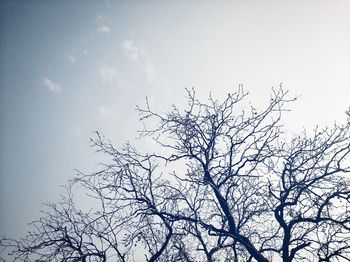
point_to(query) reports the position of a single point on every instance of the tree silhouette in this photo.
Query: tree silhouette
(224, 183)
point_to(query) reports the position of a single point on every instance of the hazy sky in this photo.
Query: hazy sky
(68, 68)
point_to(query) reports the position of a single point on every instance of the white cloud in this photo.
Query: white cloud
(137, 54)
(103, 111)
(50, 85)
(131, 50)
(72, 58)
(102, 26)
(109, 74)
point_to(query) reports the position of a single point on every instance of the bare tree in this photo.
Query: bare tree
(223, 184)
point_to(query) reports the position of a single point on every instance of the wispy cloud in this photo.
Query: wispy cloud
(131, 50)
(139, 55)
(72, 58)
(76, 54)
(109, 74)
(102, 25)
(51, 85)
(103, 111)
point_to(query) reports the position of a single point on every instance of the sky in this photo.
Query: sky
(69, 68)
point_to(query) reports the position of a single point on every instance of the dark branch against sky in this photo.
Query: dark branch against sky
(70, 68)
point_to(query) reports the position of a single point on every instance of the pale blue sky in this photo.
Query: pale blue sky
(68, 68)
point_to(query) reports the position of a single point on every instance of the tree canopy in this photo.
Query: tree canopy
(224, 183)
